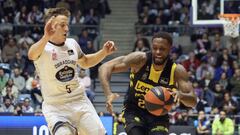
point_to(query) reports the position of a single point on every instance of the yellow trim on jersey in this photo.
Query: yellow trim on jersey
(172, 74)
(154, 75)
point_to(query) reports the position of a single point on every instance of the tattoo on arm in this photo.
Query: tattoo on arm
(135, 59)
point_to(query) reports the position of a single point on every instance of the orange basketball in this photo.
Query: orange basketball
(158, 101)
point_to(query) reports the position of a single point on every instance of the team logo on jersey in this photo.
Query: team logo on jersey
(70, 52)
(142, 86)
(54, 55)
(65, 74)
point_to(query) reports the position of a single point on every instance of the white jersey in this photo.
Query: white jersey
(57, 69)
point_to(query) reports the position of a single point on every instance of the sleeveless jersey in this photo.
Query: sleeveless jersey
(146, 78)
(57, 69)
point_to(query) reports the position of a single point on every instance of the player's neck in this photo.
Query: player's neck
(56, 42)
(159, 67)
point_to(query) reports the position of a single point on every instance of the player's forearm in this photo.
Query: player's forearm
(189, 99)
(36, 49)
(105, 77)
(92, 59)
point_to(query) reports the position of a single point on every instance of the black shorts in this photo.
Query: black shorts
(136, 117)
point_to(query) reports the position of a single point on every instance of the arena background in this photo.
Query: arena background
(211, 58)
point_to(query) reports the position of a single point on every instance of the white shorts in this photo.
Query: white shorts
(79, 113)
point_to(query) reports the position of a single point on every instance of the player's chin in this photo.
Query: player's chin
(158, 61)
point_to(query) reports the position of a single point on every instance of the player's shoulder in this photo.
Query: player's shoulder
(180, 71)
(71, 40)
(180, 68)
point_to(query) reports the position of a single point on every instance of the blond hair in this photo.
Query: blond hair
(55, 12)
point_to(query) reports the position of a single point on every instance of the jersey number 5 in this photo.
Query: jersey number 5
(68, 88)
(141, 103)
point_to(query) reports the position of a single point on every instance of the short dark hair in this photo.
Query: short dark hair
(55, 12)
(164, 35)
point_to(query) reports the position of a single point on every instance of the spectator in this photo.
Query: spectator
(218, 94)
(26, 107)
(229, 105)
(208, 81)
(9, 94)
(36, 94)
(64, 4)
(202, 124)
(9, 8)
(21, 16)
(7, 105)
(9, 50)
(215, 112)
(235, 83)
(10, 88)
(25, 38)
(35, 16)
(142, 45)
(217, 48)
(83, 39)
(192, 63)
(18, 110)
(183, 119)
(223, 68)
(23, 49)
(90, 48)
(93, 70)
(3, 79)
(18, 80)
(103, 8)
(18, 61)
(203, 46)
(157, 26)
(203, 69)
(224, 56)
(78, 18)
(29, 79)
(91, 18)
(201, 103)
(224, 81)
(222, 125)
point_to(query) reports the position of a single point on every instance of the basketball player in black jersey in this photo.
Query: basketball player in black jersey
(148, 70)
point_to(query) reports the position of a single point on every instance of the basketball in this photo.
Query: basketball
(158, 101)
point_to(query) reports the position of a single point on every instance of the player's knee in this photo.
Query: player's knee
(65, 130)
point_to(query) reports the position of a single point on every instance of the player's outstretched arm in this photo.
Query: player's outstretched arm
(91, 60)
(186, 94)
(119, 64)
(36, 49)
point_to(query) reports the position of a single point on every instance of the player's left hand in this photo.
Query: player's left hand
(109, 47)
(110, 99)
(175, 95)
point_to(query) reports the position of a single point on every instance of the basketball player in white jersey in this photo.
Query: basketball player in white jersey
(66, 108)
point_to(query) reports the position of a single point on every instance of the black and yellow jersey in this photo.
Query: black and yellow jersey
(146, 78)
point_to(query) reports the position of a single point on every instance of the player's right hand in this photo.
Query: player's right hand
(110, 98)
(49, 28)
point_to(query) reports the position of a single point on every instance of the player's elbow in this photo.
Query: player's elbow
(194, 102)
(31, 56)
